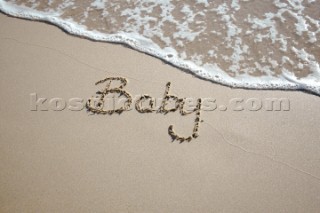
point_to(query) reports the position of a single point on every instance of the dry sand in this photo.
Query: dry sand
(76, 162)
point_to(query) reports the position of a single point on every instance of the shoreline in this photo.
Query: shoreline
(285, 82)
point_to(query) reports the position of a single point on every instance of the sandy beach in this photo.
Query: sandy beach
(73, 161)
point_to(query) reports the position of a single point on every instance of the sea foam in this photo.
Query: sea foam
(240, 43)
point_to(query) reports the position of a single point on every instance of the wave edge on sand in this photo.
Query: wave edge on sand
(287, 80)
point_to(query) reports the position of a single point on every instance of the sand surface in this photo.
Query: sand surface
(72, 161)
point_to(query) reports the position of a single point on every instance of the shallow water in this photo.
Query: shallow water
(240, 43)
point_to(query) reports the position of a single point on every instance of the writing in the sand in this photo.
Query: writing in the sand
(98, 107)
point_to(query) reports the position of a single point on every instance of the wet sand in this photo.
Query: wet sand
(72, 161)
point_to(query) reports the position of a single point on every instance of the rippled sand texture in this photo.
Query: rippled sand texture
(244, 38)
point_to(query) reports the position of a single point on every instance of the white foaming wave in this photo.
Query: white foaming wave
(207, 71)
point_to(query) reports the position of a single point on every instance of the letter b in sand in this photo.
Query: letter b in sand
(98, 108)
(166, 99)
